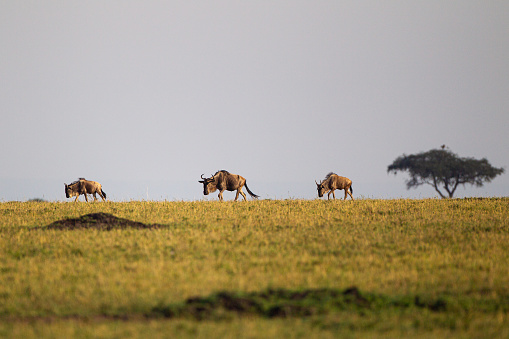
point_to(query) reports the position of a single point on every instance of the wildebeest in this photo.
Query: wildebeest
(223, 180)
(83, 186)
(333, 182)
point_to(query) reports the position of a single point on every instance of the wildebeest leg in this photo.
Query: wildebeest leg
(102, 196)
(346, 193)
(95, 197)
(220, 195)
(350, 192)
(86, 198)
(243, 194)
(76, 198)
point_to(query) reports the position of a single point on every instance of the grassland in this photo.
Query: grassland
(289, 268)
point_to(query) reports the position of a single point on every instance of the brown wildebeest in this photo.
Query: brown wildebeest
(223, 180)
(333, 182)
(83, 186)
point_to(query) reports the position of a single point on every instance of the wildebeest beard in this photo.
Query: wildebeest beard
(210, 187)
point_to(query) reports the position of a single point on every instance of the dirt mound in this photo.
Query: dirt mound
(102, 221)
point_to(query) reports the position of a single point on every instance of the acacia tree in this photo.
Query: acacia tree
(443, 168)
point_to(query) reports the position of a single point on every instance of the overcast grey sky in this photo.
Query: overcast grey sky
(145, 96)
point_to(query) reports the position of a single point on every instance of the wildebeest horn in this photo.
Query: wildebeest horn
(201, 176)
(317, 184)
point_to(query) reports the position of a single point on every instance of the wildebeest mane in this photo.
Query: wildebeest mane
(221, 171)
(75, 182)
(328, 175)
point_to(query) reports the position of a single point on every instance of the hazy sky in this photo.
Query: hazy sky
(145, 96)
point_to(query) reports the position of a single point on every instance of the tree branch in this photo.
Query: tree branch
(455, 186)
(436, 186)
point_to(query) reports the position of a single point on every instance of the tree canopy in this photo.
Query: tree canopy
(443, 168)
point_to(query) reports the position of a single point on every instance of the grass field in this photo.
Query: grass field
(286, 268)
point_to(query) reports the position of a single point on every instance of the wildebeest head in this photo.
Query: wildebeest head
(209, 184)
(72, 190)
(320, 187)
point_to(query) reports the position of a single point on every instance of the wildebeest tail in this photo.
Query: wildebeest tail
(249, 191)
(351, 189)
(104, 193)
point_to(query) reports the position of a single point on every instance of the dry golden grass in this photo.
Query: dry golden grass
(452, 249)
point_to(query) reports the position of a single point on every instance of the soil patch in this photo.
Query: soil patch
(101, 221)
(279, 303)
(284, 303)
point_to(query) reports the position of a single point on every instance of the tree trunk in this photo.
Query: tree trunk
(436, 187)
